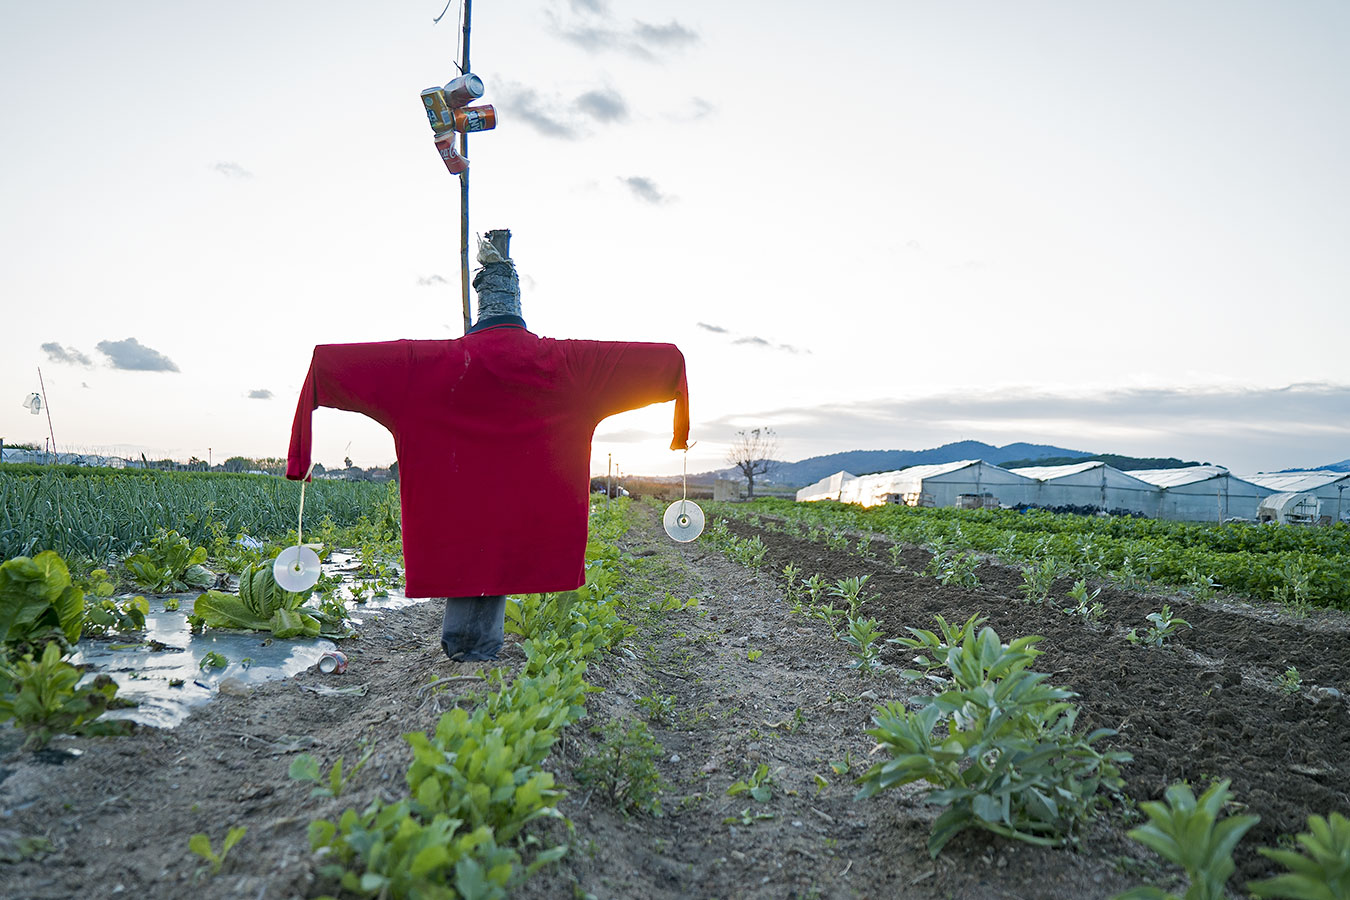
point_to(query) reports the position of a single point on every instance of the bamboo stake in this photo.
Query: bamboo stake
(43, 385)
(464, 190)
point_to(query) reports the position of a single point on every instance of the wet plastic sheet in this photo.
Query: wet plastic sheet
(161, 669)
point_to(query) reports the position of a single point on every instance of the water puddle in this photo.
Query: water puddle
(167, 669)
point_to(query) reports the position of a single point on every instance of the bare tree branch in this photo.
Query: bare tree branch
(753, 454)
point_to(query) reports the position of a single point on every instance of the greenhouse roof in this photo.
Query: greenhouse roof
(1169, 478)
(1045, 473)
(1296, 481)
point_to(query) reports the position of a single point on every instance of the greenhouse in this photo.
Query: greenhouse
(1093, 484)
(1328, 487)
(1203, 494)
(970, 483)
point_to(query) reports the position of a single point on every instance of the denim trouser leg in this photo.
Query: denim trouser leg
(472, 627)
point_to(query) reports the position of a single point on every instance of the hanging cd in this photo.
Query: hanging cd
(683, 521)
(296, 569)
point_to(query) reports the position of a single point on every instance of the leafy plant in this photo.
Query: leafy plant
(954, 568)
(1085, 603)
(1290, 682)
(753, 655)
(1009, 760)
(37, 598)
(935, 647)
(169, 563)
(659, 708)
(1202, 584)
(306, 768)
(43, 700)
(200, 844)
(107, 616)
(862, 637)
(1037, 580)
(758, 784)
(1320, 872)
(850, 591)
(1189, 833)
(624, 766)
(1162, 626)
(213, 660)
(263, 605)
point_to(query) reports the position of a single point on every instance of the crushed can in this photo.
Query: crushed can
(454, 162)
(438, 113)
(333, 662)
(474, 118)
(463, 90)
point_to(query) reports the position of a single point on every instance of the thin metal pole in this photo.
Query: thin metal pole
(464, 189)
(43, 385)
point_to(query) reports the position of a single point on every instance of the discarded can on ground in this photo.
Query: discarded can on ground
(463, 90)
(474, 118)
(445, 145)
(334, 662)
(438, 113)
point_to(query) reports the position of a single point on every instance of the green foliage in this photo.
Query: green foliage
(624, 766)
(1320, 872)
(1189, 833)
(1162, 626)
(660, 708)
(1085, 602)
(1037, 580)
(850, 591)
(306, 768)
(1008, 760)
(862, 637)
(200, 844)
(107, 616)
(169, 564)
(263, 605)
(955, 568)
(213, 660)
(37, 598)
(1290, 682)
(43, 700)
(758, 784)
(936, 647)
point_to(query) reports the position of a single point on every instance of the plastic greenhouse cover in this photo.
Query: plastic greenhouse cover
(146, 666)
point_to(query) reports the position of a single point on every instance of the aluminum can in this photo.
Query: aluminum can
(474, 118)
(463, 90)
(334, 662)
(438, 113)
(445, 145)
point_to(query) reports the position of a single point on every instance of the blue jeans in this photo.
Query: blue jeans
(471, 629)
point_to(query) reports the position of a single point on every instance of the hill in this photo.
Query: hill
(1342, 466)
(1123, 463)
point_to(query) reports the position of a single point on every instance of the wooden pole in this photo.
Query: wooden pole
(43, 385)
(464, 190)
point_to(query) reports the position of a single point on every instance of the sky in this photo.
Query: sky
(1113, 227)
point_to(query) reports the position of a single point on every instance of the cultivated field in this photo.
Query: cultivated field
(695, 721)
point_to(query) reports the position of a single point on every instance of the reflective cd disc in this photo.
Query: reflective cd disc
(683, 521)
(296, 569)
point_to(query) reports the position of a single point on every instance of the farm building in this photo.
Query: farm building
(969, 482)
(1092, 483)
(1331, 488)
(1203, 494)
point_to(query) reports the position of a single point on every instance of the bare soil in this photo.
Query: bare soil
(118, 815)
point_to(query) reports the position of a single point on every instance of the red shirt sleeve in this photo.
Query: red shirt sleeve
(367, 378)
(621, 376)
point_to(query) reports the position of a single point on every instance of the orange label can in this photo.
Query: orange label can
(438, 112)
(474, 118)
(445, 145)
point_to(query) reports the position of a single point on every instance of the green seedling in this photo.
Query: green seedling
(1085, 603)
(659, 708)
(1037, 580)
(862, 637)
(1189, 833)
(753, 655)
(1163, 625)
(200, 844)
(1320, 872)
(850, 591)
(42, 698)
(214, 660)
(746, 817)
(1290, 682)
(624, 766)
(306, 768)
(759, 784)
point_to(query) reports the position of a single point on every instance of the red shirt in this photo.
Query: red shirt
(493, 434)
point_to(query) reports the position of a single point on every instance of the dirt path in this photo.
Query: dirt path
(117, 818)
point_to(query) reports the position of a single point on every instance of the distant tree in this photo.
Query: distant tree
(272, 465)
(347, 461)
(237, 464)
(752, 452)
(319, 468)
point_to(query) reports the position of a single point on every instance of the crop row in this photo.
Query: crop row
(1299, 566)
(103, 513)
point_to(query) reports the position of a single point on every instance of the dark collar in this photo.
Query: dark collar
(494, 321)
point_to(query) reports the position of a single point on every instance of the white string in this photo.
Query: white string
(300, 521)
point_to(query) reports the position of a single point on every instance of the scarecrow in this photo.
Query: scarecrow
(493, 436)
